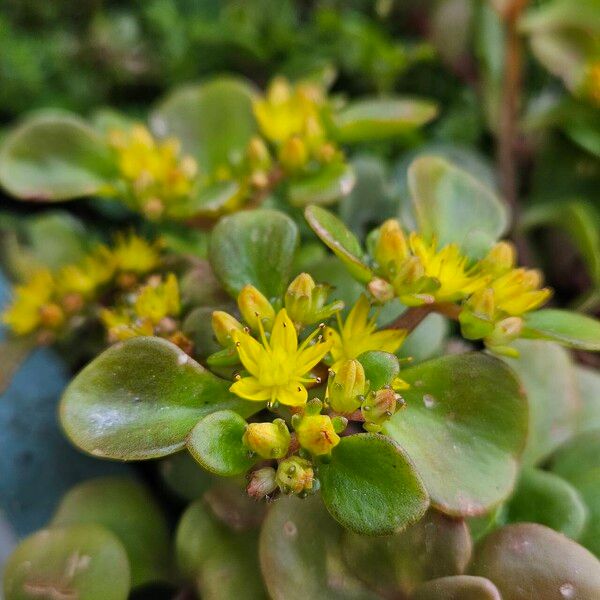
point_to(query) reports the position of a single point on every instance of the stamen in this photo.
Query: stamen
(309, 339)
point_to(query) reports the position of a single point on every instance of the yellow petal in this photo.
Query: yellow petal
(357, 319)
(294, 394)
(283, 334)
(310, 356)
(387, 340)
(249, 388)
(251, 353)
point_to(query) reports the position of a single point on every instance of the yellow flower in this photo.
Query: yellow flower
(317, 434)
(156, 301)
(358, 334)
(447, 267)
(133, 254)
(26, 312)
(158, 177)
(518, 291)
(121, 325)
(278, 366)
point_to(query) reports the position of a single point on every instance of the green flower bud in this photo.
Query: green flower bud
(305, 301)
(347, 387)
(268, 440)
(258, 154)
(505, 331)
(255, 308)
(316, 433)
(262, 483)
(379, 407)
(223, 324)
(295, 475)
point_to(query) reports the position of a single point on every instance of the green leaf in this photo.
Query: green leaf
(588, 386)
(568, 328)
(300, 554)
(213, 120)
(579, 463)
(79, 561)
(211, 199)
(453, 206)
(140, 398)
(327, 186)
(381, 118)
(127, 509)
(547, 499)
(371, 487)
(184, 477)
(54, 157)
(457, 587)
(254, 247)
(336, 236)
(380, 368)
(216, 443)
(527, 560)
(222, 564)
(546, 374)
(464, 427)
(394, 565)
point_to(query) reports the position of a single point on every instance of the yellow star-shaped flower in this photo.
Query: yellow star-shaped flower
(358, 334)
(278, 366)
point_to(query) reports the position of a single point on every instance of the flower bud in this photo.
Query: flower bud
(505, 331)
(295, 475)
(255, 308)
(305, 301)
(500, 258)
(262, 483)
(347, 386)
(51, 315)
(268, 440)
(293, 155)
(391, 247)
(482, 303)
(316, 433)
(379, 407)
(223, 324)
(258, 154)
(381, 290)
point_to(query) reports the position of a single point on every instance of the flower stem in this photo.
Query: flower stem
(411, 318)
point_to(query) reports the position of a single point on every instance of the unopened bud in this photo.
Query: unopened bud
(347, 387)
(223, 324)
(293, 155)
(381, 290)
(482, 303)
(505, 331)
(295, 475)
(379, 407)
(258, 154)
(326, 153)
(500, 258)
(255, 308)
(305, 301)
(532, 279)
(268, 440)
(153, 209)
(52, 315)
(316, 433)
(279, 91)
(262, 483)
(391, 248)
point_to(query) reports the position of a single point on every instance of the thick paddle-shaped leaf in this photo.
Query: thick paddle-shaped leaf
(78, 561)
(254, 247)
(568, 328)
(371, 487)
(464, 428)
(140, 399)
(457, 587)
(55, 157)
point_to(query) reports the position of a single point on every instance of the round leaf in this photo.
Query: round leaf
(381, 118)
(453, 206)
(184, 476)
(380, 368)
(457, 587)
(54, 157)
(336, 236)
(140, 398)
(127, 509)
(532, 561)
(80, 561)
(547, 499)
(394, 565)
(300, 554)
(213, 120)
(254, 247)
(568, 328)
(325, 187)
(464, 427)
(223, 564)
(371, 487)
(216, 443)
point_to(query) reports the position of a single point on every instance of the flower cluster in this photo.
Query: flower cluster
(292, 119)
(491, 294)
(157, 180)
(48, 303)
(280, 364)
